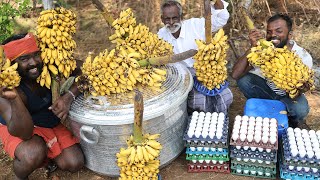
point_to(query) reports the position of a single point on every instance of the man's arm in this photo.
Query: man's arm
(219, 15)
(14, 112)
(242, 65)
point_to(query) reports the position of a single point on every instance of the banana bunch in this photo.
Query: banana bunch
(138, 37)
(9, 77)
(210, 61)
(282, 66)
(54, 31)
(117, 71)
(139, 161)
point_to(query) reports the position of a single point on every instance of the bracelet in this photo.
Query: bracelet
(73, 96)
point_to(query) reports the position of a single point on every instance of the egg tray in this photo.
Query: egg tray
(272, 176)
(254, 144)
(215, 152)
(256, 163)
(204, 90)
(287, 154)
(264, 153)
(286, 169)
(215, 141)
(296, 162)
(287, 175)
(272, 170)
(243, 155)
(207, 157)
(242, 149)
(206, 144)
(204, 167)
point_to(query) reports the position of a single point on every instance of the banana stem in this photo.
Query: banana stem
(168, 59)
(106, 15)
(55, 86)
(138, 117)
(207, 16)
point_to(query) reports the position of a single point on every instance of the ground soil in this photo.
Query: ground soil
(92, 36)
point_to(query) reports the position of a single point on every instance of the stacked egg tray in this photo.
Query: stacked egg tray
(206, 140)
(253, 147)
(300, 154)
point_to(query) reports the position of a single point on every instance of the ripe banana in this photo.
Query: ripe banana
(210, 61)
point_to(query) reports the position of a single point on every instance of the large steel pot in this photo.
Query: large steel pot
(104, 128)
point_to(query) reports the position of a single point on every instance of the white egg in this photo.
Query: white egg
(273, 139)
(214, 119)
(268, 150)
(294, 152)
(235, 136)
(299, 168)
(219, 131)
(291, 167)
(199, 148)
(219, 135)
(192, 148)
(253, 148)
(265, 139)
(190, 134)
(206, 149)
(214, 161)
(258, 124)
(289, 129)
(250, 131)
(214, 114)
(302, 153)
(252, 123)
(202, 113)
(273, 126)
(312, 132)
(198, 129)
(260, 161)
(195, 113)
(212, 129)
(243, 131)
(236, 130)
(266, 119)
(208, 114)
(260, 149)
(220, 118)
(220, 126)
(318, 133)
(317, 153)
(273, 120)
(259, 119)
(250, 137)
(194, 119)
(238, 118)
(245, 147)
(297, 130)
(290, 134)
(257, 139)
(257, 133)
(243, 137)
(304, 131)
(211, 134)
(251, 118)
(310, 154)
(222, 114)
(314, 170)
(237, 122)
(194, 161)
(257, 129)
(265, 125)
(204, 134)
(251, 128)
(238, 147)
(245, 118)
(253, 172)
(213, 149)
(265, 129)
(197, 134)
(207, 161)
(205, 126)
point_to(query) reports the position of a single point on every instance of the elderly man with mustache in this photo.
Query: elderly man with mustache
(182, 35)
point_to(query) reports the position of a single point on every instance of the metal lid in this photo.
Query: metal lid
(117, 109)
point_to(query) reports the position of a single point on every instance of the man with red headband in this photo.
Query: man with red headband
(30, 128)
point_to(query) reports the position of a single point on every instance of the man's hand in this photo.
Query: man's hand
(61, 106)
(254, 36)
(304, 88)
(8, 93)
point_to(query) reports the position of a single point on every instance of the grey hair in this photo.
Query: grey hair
(170, 3)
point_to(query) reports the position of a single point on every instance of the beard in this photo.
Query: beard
(281, 43)
(26, 74)
(173, 28)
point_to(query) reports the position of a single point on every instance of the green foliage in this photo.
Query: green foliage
(9, 9)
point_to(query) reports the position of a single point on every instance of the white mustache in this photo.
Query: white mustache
(173, 28)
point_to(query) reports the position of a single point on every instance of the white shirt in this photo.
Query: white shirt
(302, 53)
(193, 29)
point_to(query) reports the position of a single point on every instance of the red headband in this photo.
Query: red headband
(20, 47)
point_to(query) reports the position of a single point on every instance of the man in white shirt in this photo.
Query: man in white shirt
(182, 35)
(254, 85)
